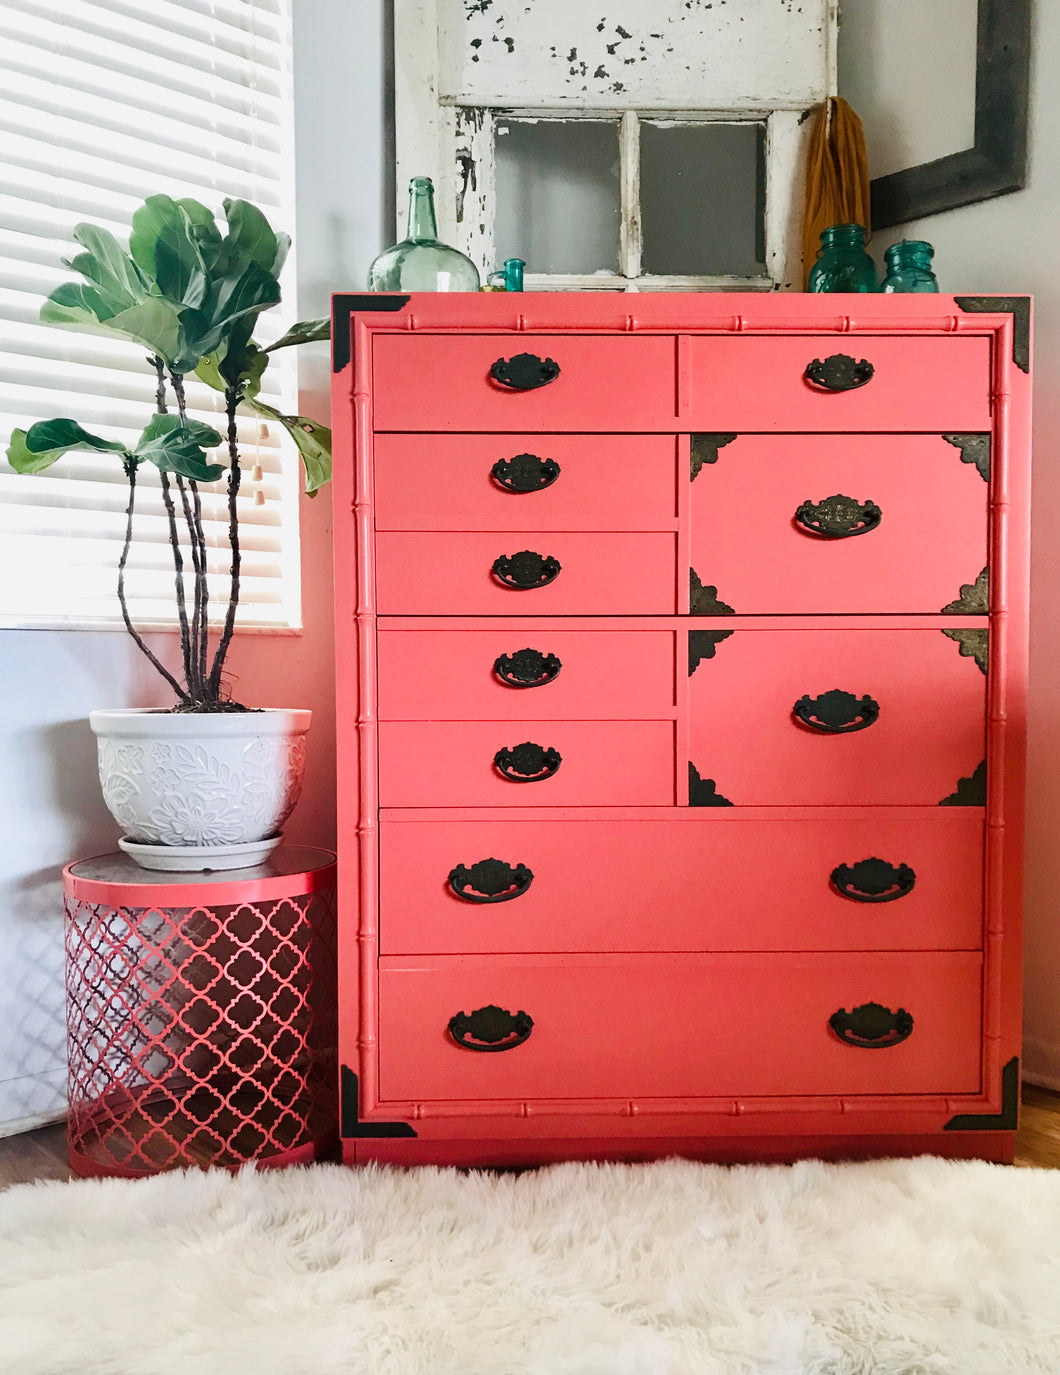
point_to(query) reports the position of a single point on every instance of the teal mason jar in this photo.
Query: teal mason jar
(909, 267)
(842, 262)
(420, 262)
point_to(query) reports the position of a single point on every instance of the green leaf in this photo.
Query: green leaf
(164, 246)
(252, 373)
(33, 450)
(305, 332)
(155, 323)
(250, 235)
(209, 371)
(313, 442)
(283, 247)
(74, 304)
(203, 229)
(231, 298)
(174, 447)
(107, 264)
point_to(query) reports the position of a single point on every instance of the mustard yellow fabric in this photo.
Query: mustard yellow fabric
(837, 176)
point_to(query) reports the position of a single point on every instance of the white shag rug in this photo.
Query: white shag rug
(921, 1267)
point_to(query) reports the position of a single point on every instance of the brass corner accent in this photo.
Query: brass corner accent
(971, 792)
(703, 601)
(705, 450)
(974, 599)
(1004, 1121)
(350, 1124)
(703, 792)
(703, 644)
(975, 644)
(975, 448)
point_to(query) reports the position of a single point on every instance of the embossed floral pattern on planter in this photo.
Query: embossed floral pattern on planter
(207, 788)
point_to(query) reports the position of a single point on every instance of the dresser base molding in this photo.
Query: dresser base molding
(482, 1153)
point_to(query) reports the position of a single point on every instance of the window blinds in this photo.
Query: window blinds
(102, 103)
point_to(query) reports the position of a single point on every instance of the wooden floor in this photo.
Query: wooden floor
(42, 1154)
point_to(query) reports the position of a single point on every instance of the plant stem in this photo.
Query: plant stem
(178, 567)
(195, 684)
(130, 469)
(232, 398)
(193, 518)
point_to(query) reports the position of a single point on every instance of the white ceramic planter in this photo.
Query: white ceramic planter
(214, 783)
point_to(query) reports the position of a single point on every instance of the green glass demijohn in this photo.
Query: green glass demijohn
(842, 262)
(909, 267)
(420, 262)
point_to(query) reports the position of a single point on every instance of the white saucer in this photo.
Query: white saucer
(199, 858)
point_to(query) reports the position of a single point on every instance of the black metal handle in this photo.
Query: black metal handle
(490, 1028)
(525, 570)
(837, 713)
(525, 371)
(840, 372)
(490, 880)
(525, 473)
(873, 880)
(838, 517)
(872, 1026)
(527, 763)
(527, 668)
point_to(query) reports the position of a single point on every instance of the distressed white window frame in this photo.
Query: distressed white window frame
(449, 137)
(784, 170)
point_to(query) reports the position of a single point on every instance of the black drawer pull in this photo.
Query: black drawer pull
(527, 763)
(527, 668)
(840, 372)
(838, 517)
(526, 570)
(873, 880)
(490, 880)
(871, 1026)
(836, 713)
(524, 372)
(490, 1028)
(525, 473)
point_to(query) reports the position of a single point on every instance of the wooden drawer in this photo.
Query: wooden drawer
(571, 763)
(521, 669)
(928, 383)
(721, 880)
(430, 574)
(758, 513)
(658, 1026)
(745, 735)
(444, 382)
(525, 482)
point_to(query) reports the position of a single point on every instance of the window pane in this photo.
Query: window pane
(701, 196)
(558, 194)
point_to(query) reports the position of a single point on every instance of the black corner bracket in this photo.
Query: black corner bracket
(1019, 307)
(350, 1124)
(341, 310)
(1003, 1121)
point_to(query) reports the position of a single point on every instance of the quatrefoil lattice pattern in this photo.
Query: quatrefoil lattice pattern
(200, 1036)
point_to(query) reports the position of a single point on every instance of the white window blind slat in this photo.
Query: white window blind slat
(106, 102)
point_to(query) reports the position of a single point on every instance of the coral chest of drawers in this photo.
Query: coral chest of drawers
(681, 647)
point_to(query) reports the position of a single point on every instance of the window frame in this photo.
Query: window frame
(472, 135)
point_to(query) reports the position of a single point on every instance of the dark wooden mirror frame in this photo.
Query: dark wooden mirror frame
(998, 161)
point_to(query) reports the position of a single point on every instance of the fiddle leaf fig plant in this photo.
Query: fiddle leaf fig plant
(189, 291)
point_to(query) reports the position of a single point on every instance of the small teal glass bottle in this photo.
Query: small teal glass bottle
(909, 267)
(510, 278)
(420, 262)
(842, 262)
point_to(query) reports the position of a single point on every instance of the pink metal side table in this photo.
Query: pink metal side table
(201, 1012)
